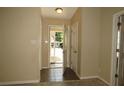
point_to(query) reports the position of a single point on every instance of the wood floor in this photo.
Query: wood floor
(56, 74)
(55, 77)
(85, 82)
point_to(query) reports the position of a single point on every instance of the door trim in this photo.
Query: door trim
(77, 45)
(114, 42)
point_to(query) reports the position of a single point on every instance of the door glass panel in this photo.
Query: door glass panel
(56, 48)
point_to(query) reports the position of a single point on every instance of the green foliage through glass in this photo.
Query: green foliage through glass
(59, 36)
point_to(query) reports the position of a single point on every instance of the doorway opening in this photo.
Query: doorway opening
(57, 62)
(59, 55)
(56, 46)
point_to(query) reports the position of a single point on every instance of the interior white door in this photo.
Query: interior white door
(66, 49)
(74, 46)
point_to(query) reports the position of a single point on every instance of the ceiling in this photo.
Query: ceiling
(50, 12)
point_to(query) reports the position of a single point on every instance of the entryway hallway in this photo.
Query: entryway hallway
(87, 47)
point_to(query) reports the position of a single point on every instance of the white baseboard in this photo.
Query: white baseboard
(19, 82)
(89, 77)
(78, 75)
(45, 67)
(104, 81)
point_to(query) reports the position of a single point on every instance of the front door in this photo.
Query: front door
(120, 54)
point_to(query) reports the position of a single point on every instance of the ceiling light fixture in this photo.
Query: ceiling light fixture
(59, 10)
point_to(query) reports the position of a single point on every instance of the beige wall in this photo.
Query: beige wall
(20, 33)
(0, 44)
(90, 41)
(97, 41)
(45, 36)
(106, 41)
(77, 18)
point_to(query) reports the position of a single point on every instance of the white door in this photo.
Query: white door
(65, 47)
(121, 54)
(74, 46)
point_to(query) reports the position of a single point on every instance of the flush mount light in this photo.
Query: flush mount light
(59, 10)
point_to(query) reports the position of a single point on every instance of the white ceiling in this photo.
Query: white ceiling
(50, 12)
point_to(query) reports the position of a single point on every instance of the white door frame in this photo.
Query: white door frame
(114, 43)
(49, 43)
(77, 47)
(66, 47)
